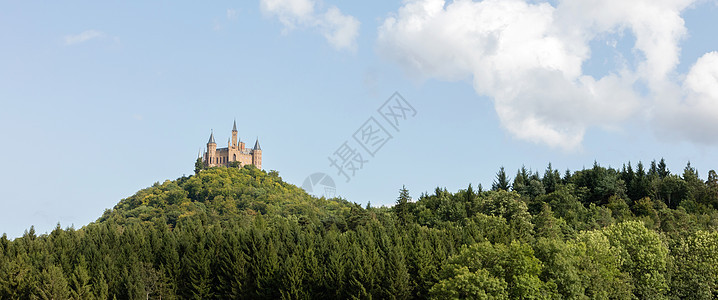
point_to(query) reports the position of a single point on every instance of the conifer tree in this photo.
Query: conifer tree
(53, 284)
(501, 182)
(663, 171)
(550, 179)
(80, 281)
(401, 208)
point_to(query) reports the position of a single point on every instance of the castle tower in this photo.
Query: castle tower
(257, 155)
(211, 151)
(234, 134)
(234, 153)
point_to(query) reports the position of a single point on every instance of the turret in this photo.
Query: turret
(211, 150)
(257, 155)
(211, 138)
(235, 137)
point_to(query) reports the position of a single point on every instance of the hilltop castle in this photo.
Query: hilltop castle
(235, 151)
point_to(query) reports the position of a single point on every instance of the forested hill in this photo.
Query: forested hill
(224, 194)
(226, 233)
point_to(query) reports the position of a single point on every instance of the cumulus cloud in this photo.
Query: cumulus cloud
(693, 115)
(290, 12)
(83, 37)
(528, 57)
(340, 30)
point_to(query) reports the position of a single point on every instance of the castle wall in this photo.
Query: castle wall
(257, 158)
(224, 156)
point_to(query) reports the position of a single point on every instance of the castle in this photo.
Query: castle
(235, 152)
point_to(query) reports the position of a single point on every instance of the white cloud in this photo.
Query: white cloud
(83, 37)
(290, 12)
(693, 115)
(340, 30)
(656, 24)
(528, 58)
(702, 80)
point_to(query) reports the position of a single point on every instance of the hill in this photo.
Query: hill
(228, 233)
(224, 194)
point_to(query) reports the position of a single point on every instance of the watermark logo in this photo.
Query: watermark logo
(396, 110)
(352, 155)
(371, 136)
(320, 185)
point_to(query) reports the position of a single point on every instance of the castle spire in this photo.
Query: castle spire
(211, 138)
(234, 127)
(256, 145)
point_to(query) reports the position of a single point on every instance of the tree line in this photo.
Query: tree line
(228, 233)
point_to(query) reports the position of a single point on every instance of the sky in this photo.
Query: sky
(101, 99)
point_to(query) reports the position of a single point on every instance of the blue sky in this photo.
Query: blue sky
(101, 99)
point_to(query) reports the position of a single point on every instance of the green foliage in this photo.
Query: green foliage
(464, 284)
(493, 271)
(402, 206)
(501, 182)
(695, 266)
(199, 166)
(509, 206)
(221, 194)
(547, 225)
(229, 233)
(551, 179)
(52, 284)
(644, 256)
(598, 266)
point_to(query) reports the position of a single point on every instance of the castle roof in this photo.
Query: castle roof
(234, 127)
(211, 138)
(256, 145)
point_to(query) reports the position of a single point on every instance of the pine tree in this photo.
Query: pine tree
(399, 279)
(546, 225)
(469, 200)
(99, 286)
(566, 177)
(712, 189)
(639, 185)
(627, 174)
(653, 170)
(53, 284)
(80, 281)
(521, 180)
(501, 182)
(231, 272)
(550, 179)
(663, 171)
(401, 208)
(292, 276)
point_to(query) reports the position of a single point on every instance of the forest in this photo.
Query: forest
(635, 232)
